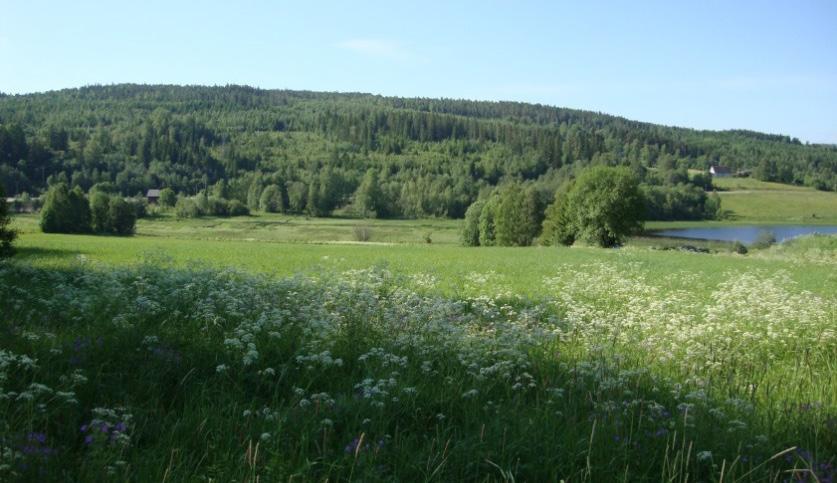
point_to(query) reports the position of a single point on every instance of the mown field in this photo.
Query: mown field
(748, 200)
(231, 350)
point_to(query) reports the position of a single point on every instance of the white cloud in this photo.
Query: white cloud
(379, 48)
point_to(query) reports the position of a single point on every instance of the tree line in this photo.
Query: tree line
(363, 154)
(68, 210)
(603, 206)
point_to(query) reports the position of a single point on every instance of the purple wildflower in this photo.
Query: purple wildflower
(36, 437)
(352, 446)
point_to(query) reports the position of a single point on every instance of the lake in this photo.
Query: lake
(746, 234)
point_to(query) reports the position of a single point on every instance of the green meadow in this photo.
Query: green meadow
(276, 348)
(749, 200)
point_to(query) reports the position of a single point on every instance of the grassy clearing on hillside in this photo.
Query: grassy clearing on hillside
(809, 207)
(621, 372)
(750, 200)
(748, 184)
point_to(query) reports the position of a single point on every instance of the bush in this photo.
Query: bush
(362, 233)
(202, 202)
(7, 235)
(237, 208)
(765, 239)
(297, 195)
(680, 202)
(712, 207)
(140, 206)
(471, 226)
(104, 187)
(186, 208)
(487, 226)
(168, 198)
(216, 207)
(739, 248)
(100, 211)
(123, 216)
(271, 200)
(557, 225)
(65, 211)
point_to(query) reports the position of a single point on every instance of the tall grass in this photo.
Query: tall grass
(199, 374)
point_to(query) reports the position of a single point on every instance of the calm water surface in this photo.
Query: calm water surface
(747, 233)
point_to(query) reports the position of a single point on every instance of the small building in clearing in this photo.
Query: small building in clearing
(720, 171)
(152, 196)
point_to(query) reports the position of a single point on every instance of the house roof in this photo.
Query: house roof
(153, 194)
(719, 169)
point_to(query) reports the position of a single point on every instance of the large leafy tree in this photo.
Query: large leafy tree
(557, 224)
(369, 199)
(471, 227)
(604, 206)
(516, 217)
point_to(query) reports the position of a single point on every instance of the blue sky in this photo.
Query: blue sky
(768, 66)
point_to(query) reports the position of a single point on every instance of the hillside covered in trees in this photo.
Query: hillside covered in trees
(373, 155)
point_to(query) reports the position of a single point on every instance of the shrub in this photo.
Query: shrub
(557, 225)
(739, 248)
(140, 206)
(168, 198)
(237, 208)
(100, 211)
(362, 233)
(712, 207)
(186, 208)
(487, 227)
(271, 200)
(104, 187)
(369, 199)
(123, 216)
(7, 235)
(65, 211)
(765, 239)
(471, 226)
(202, 203)
(216, 206)
(297, 194)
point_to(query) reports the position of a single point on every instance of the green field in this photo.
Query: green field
(749, 200)
(275, 348)
(253, 245)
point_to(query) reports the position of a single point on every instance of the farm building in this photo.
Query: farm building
(720, 171)
(153, 196)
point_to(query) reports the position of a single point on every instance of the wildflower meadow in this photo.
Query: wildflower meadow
(616, 371)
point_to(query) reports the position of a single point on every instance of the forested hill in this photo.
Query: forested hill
(424, 156)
